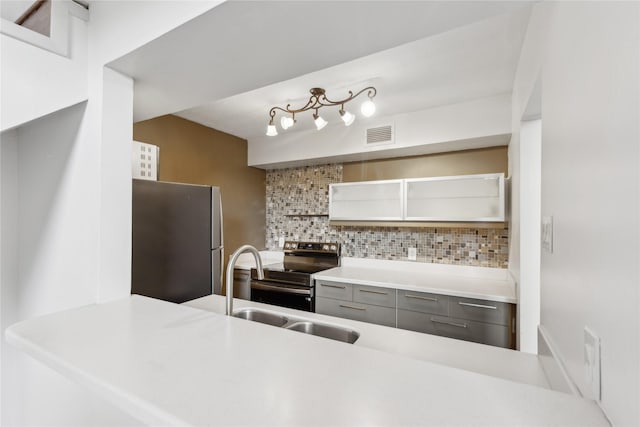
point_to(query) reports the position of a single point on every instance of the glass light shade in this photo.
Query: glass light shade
(271, 130)
(320, 122)
(286, 122)
(368, 108)
(347, 117)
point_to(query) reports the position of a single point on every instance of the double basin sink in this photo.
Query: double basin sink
(300, 325)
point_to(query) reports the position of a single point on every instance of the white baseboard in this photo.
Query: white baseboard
(553, 365)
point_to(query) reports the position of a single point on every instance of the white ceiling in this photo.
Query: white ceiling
(228, 67)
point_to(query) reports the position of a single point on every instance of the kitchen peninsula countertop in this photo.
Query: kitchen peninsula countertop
(484, 359)
(171, 364)
(491, 284)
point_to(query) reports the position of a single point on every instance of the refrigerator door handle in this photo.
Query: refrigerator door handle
(221, 222)
(222, 266)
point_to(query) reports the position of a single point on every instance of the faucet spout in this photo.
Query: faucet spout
(231, 265)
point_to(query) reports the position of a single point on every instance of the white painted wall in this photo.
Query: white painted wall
(589, 57)
(115, 220)
(529, 200)
(524, 89)
(36, 82)
(72, 171)
(8, 255)
(417, 132)
(50, 261)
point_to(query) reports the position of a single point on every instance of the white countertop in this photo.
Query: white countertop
(484, 359)
(171, 364)
(490, 284)
(247, 262)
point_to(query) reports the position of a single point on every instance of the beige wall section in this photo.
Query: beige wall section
(483, 160)
(195, 154)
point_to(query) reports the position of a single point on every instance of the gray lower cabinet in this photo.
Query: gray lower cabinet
(335, 290)
(357, 302)
(480, 321)
(468, 330)
(423, 302)
(480, 310)
(374, 295)
(357, 311)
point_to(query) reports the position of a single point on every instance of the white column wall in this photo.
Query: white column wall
(8, 260)
(115, 202)
(527, 75)
(589, 55)
(529, 200)
(590, 184)
(72, 172)
(52, 262)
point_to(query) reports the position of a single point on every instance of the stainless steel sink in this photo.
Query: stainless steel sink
(299, 325)
(256, 315)
(327, 331)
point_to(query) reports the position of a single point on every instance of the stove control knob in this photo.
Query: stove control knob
(334, 247)
(325, 247)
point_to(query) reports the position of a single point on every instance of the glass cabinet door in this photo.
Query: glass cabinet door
(366, 201)
(458, 198)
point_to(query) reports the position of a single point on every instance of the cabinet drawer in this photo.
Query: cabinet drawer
(484, 333)
(373, 295)
(356, 311)
(423, 302)
(480, 310)
(335, 290)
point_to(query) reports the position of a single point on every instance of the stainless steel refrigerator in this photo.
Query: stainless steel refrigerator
(177, 240)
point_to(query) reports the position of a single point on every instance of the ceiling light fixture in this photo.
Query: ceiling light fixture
(271, 129)
(318, 100)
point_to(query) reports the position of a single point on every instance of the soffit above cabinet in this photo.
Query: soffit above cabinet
(227, 67)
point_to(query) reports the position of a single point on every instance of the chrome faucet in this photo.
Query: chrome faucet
(231, 265)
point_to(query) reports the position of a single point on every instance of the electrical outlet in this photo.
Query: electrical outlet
(281, 242)
(472, 254)
(413, 254)
(592, 362)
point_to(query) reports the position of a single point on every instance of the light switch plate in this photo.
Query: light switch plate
(413, 254)
(592, 362)
(547, 234)
(281, 242)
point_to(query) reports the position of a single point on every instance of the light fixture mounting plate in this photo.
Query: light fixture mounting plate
(317, 91)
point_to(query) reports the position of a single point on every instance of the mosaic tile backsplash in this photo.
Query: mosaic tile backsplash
(298, 202)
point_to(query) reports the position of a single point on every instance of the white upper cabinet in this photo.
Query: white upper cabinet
(466, 198)
(367, 201)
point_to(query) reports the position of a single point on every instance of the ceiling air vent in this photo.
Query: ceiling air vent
(380, 135)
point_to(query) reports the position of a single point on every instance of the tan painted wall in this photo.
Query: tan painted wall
(195, 154)
(483, 160)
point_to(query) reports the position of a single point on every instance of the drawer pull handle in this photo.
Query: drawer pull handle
(421, 297)
(373, 292)
(488, 307)
(458, 325)
(352, 307)
(332, 286)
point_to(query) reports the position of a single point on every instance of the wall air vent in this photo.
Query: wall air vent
(380, 135)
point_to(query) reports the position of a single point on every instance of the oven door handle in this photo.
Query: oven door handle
(282, 289)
